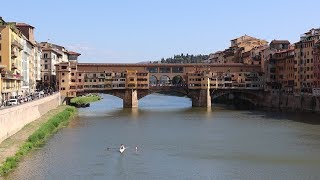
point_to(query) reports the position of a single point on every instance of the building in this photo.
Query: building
(247, 43)
(316, 70)
(37, 65)
(29, 60)
(240, 51)
(304, 62)
(269, 63)
(72, 81)
(284, 70)
(279, 44)
(53, 54)
(11, 49)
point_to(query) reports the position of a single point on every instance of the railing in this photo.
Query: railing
(12, 76)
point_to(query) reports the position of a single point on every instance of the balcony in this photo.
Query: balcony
(15, 43)
(14, 53)
(10, 75)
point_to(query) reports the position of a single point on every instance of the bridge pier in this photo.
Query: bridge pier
(65, 100)
(130, 99)
(201, 98)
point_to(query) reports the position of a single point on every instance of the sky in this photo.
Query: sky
(130, 31)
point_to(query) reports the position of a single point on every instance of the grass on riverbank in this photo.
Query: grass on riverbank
(38, 138)
(85, 99)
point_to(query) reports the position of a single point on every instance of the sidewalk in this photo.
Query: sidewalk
(11, 145)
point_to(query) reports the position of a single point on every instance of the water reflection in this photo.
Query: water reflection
(177, 141)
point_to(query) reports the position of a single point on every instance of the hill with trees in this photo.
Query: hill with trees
(184, 59)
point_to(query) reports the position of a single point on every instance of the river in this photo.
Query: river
(176, 141)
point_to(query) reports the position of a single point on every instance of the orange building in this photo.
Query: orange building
(316, 70)
(284, 71)
(304, 62)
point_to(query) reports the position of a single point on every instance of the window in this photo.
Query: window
(63, 88)
(79, 80)
(45, 55)
(0, 59)
(72, 74)
(62, 80)
(46, 66)
(62, 74)
(45, 77)
(79, 74)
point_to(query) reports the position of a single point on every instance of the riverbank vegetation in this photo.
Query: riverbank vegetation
(84, 100)
(38, 138)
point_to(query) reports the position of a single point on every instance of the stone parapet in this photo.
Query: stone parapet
(14, 118)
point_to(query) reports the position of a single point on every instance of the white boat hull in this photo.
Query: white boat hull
(122, 150)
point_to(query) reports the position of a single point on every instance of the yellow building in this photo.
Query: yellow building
(10, 59)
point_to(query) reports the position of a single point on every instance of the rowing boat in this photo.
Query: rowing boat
(122, 148)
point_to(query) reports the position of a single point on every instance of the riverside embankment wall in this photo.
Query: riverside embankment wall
(289, 102)
(13, 119)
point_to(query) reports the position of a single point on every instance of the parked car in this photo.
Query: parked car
(12, 102)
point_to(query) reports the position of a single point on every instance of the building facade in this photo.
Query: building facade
(316, 59)
(11, 50)
(304, 62)
(53, 54)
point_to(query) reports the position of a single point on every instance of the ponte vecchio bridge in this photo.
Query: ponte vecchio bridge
(131, 82)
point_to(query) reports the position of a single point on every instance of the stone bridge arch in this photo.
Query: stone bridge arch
(252, 96)
(153, 80)
(164, 79)
(178, 80)
(164, 89)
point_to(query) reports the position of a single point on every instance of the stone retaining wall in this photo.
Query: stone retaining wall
(14, 118)
(285, 102)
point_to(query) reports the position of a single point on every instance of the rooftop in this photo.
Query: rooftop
(280, 42)
(23, 25)
(73, 53)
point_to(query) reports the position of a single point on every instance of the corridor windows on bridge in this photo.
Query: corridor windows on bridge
(152, 69)
(177, 69)
(164, 70)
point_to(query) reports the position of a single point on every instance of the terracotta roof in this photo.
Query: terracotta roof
(73, 53)
(50, 49)
(280, 42)
(24, 24)
(168, 65)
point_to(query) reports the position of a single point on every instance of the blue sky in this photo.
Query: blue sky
(145, 30)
